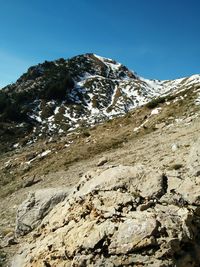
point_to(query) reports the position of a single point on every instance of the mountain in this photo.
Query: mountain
(62, 95)
(100, 166)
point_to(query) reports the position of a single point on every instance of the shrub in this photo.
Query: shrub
(57, 89)
(170, 97)
(10, 109)
(13, 113)
(23, 97)
(85, 133)
(4, 101)
(155, 102)
(46, 112)
(48, 64)
(32, 73)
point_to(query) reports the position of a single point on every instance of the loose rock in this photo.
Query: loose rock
(102, 161)
(36, 207)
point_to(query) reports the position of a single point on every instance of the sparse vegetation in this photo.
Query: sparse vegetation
(47, 111)
(85, 133)
(4, 101)
(155, 102)
(11, 108)
(176, 166)
(58, 89)
(13, 112)
(2, 258)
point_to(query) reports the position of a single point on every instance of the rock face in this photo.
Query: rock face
(120, 216)
(38, 204)
(194, 159)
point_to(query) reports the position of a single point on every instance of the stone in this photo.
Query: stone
(112, 179)
(160, 125)
(8, 240)
(30, 181)
(193, 161)
(36, 207)
(133, 234)
(189, 119)
(153, 186)
(189, 189)
(174, 147)
(102, 161)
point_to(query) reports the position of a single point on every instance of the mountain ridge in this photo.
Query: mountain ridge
(59, 96)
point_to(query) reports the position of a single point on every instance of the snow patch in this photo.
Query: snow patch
(109, 63)
(56, 111)
(155, 111)
(45, 153)
(16, 145)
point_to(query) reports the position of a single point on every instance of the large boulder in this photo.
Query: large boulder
(132, 179)
(37, 205)
(116, 217)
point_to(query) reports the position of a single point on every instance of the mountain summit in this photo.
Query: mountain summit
(62, 95)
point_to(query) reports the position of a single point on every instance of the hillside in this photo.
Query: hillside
(60, 96)
(139, 167)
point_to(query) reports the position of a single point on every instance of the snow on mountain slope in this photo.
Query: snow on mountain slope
(62, 95)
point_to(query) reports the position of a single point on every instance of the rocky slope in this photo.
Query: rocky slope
(151, 176)
(63, 95)
(119, 216)
(121, 193)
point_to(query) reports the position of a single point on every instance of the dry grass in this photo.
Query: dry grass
(88, 142)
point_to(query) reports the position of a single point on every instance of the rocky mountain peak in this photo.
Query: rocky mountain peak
(59, 96)
(78, 67)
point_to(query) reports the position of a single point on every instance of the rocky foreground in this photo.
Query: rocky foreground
(137, 206)
(116, 216)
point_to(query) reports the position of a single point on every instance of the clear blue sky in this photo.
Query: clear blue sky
(156, 38)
